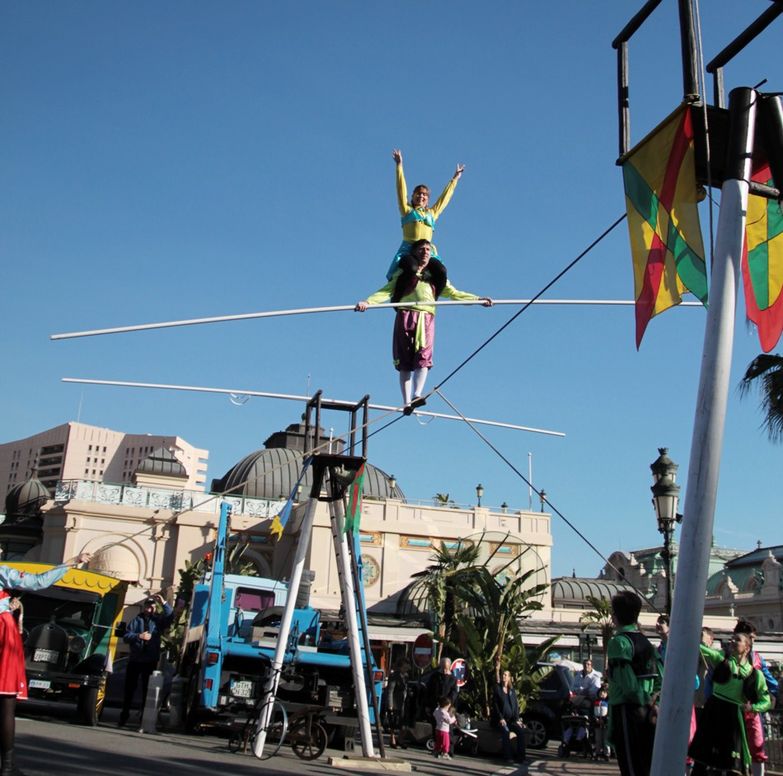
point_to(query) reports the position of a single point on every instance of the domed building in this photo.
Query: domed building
(273, 471)
(22, 527)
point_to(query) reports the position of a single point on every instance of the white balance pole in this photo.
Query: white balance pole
(671, 737)
(270, 688)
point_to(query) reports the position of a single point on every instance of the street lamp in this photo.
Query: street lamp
(542, 497)
(666, 496)
(299, 490)
(479, 493)
(504, 507)
(392, 485)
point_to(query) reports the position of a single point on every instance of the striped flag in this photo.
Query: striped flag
(663, 219)
(354, 513)
(762, 264)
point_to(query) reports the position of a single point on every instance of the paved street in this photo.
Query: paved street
(50, 744)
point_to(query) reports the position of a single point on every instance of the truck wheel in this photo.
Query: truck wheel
(192, 716)
(90, 705)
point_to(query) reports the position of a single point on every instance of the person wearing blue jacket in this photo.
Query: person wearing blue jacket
(143, 637)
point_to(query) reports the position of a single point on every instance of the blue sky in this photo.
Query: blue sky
(184, 159)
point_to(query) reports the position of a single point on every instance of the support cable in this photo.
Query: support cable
(519, 312)
(543, 497)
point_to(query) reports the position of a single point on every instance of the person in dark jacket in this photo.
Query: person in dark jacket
(143, 636)
(505, 715)
(397, 703)
(440, 684)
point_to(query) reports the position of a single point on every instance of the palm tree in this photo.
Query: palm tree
(766, 373)
(491, 637)
(442, 588)
(600, 615)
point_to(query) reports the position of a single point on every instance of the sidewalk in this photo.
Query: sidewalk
(539, 761)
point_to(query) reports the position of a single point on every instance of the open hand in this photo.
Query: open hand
(397, 155)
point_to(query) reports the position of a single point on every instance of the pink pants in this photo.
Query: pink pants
(442, 742)
(755, 734)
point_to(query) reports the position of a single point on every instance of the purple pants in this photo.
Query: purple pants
(406, 357)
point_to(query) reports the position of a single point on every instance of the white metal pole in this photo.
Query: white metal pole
(270, 687)
(349, 606)
(295, 397)
(338, 309)
(671, 737)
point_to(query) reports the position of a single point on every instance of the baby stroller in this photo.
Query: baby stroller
(576, 733)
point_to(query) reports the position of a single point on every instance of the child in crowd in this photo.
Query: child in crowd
(444, 719)
(418, 219)
(600, 723)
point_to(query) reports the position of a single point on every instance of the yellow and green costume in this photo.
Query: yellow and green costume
(417, 223)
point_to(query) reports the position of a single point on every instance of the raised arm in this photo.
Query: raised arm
(23, 580)
(448, 192)
(402, 187)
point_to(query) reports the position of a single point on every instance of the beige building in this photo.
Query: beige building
(145, 530)
(77, 451)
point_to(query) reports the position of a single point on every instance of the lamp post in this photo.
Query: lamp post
(392, 485)
(542, 498)
(666, 495)
(479, 493)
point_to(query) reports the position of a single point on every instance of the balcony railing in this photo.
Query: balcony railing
(161, 498)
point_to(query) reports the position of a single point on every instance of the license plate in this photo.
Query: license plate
(39, 684)
(45, 656)
(242, 689)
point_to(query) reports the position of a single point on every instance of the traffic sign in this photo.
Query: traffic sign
(423, 649)
(459, 670)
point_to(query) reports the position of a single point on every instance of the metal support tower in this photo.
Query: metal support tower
(333, 472)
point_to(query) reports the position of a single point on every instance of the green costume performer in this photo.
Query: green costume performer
(721, 741)
(634, 679)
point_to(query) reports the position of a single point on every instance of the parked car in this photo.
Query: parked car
(543, 714)
(69, 637)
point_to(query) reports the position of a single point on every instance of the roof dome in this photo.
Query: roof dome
(575, 592)
(26, 498)
(272, 472)
(162, 463)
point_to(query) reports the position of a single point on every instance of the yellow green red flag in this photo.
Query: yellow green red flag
(762, 264)
(663, 219)
(354, 513)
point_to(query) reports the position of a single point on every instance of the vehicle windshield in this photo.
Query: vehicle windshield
(75, 608)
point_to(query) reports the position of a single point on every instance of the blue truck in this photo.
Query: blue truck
(230, 639)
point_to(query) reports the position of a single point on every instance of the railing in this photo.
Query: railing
(773, 740)
(161, 498)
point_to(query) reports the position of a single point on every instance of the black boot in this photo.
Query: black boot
(9, 765)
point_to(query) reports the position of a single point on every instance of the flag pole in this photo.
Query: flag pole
(671, 737)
